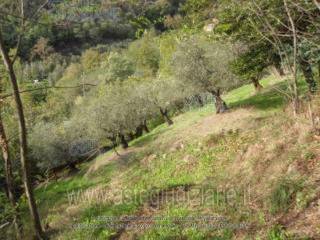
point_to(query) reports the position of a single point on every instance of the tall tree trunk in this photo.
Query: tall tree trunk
(221, 106)
(308, 74)
(317, 3)
(296, 100)
(123, 141)
(164, 113)
(145, 126)
(23, 143)
(9, 179)
(257, 86)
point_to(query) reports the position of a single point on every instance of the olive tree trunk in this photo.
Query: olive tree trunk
(145, 126)
(257, 86)
(123, 141)
(220, 105)
(139, 132)
(164, 113)
(23, 143)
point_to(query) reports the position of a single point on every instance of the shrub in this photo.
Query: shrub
(145, 53)
(90, 59)
(119, 67)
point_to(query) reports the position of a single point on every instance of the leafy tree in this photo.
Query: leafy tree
(204, 66)
(251, 65)
(145, 53)
(48, 151)
(195, 12)
(270, 23)
(41, 49)
(167, 46)
(90, 59)
(119, 67)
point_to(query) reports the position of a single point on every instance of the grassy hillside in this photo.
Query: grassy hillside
(253, 173)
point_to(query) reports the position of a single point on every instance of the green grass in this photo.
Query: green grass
(277, 233)
(207, 163)
(284, 194)
(247, 91)
(273, 96)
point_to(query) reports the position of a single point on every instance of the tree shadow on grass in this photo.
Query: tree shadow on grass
(149, 137)
(273, 97)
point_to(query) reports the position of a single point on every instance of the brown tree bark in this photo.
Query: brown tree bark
(220, 105)
(23, 143)
(164, 113)
(257, 86)
(9, 179)
(317, 3)
(124, 142)
(145, 126)
(295, 100)
(139, 131)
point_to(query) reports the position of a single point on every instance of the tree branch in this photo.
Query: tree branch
(20, 34)
(317, 3)
(24, 24)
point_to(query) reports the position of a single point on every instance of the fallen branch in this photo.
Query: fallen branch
(4, 225)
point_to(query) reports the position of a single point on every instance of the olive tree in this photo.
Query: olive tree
(164, 94)
(119, 113)
(48, 146)
(203, 65)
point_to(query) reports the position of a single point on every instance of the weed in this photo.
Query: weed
(283, 194)
(277, 233)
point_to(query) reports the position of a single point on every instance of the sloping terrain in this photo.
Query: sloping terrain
(245, 174)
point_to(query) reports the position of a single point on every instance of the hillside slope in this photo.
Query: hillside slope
(245, 174)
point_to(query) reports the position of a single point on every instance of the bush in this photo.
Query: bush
(90, 59)
(145, 53)
(119, 67)
(48, 151)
